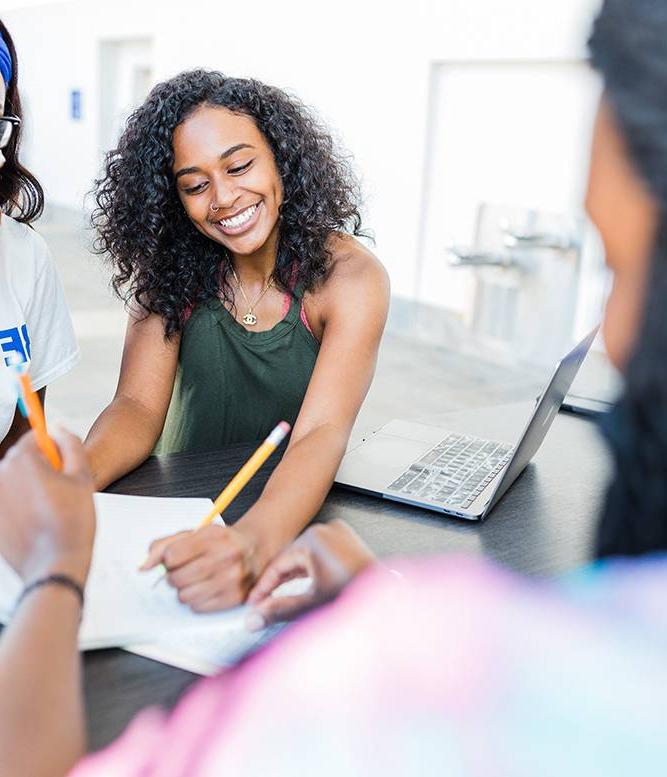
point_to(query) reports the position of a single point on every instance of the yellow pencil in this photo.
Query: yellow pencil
(232, 489)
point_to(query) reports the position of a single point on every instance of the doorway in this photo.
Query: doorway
(126, 77)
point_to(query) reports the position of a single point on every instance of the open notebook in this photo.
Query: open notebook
(122, 607)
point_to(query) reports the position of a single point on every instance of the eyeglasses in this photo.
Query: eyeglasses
(7, 124)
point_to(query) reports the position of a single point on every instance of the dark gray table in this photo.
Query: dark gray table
(543, 526)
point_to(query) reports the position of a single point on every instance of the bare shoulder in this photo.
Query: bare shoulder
(355, 270)
(356, 281)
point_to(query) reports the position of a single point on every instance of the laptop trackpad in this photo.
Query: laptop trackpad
(378, 461)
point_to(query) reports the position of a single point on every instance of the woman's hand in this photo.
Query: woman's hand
(212, 568)
(329, 554)
(47, 518)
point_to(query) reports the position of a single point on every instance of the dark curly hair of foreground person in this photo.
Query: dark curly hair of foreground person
(160, 261)
(629, 48)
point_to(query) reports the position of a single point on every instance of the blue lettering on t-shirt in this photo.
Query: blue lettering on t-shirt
(26, 339)
(11, 342)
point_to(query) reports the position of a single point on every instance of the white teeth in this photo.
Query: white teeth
(239, 220)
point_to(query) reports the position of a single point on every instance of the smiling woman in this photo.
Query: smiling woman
(230, 222)
(147, 217)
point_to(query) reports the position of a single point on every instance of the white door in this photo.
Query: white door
(126, 76)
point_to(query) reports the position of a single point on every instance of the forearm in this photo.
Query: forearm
(42, 731)
(121, 438)
(295, 491)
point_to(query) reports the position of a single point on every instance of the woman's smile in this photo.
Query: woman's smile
(241, 222)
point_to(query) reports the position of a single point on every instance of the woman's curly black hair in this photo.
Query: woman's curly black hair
(629, 48)
(159, 259)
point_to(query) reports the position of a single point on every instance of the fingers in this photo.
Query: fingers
(228, 596)
(73, 454)
(26, 447)
(208, 567)
(196, 594)
(339, 550)
(25, 466)
(225, 587)
(211, 568)
(295, 561)
(218, 544)
(292, 562)
(276, 609)
(154, 556)
(157, 550)
(185, 546)
(200, 568)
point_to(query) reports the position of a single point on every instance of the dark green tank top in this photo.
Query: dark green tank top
(233, 385)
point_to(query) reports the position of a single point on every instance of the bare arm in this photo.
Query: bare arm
(47, 526)
(214, 568)
(355, 311)
(125, 432)
(40, 678)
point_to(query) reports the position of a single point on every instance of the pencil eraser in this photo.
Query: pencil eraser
(279, 433)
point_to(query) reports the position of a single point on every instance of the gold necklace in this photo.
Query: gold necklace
(250, 319)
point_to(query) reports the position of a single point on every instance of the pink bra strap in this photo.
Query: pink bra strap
(304, 320)
(287, 298)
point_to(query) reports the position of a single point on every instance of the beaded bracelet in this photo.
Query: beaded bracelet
(57, 579)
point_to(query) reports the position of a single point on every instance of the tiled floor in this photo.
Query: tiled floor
(415, 379)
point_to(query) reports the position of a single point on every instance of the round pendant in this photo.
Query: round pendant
(250, 319)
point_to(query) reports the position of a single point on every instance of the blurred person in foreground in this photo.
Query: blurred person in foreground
(456, 668)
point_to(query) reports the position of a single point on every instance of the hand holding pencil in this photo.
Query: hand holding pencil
(213, 566)
(47, 518)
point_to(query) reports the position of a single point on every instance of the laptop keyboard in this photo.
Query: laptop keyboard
(455, 471)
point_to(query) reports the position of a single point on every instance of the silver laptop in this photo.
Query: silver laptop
(454, 473)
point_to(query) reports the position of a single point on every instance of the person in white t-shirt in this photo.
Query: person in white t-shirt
(35, 325)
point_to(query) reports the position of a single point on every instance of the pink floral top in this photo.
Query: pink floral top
(458, 668)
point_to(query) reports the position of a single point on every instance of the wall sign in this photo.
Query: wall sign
(75, 104)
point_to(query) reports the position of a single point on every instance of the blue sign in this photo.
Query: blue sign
(75, 104)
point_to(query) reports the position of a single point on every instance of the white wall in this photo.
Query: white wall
(58, 50)
(364, 66)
